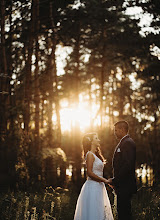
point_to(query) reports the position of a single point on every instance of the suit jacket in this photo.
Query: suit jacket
(123, 164)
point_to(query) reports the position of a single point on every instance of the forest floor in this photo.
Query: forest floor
(59, 204)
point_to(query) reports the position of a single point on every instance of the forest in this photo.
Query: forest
(68, 68)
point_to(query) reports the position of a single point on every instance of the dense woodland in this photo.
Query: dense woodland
(59, 55)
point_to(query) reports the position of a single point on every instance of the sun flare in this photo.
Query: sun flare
(82, 114)
(70, 116)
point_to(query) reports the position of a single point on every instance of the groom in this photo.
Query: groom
(123, 163)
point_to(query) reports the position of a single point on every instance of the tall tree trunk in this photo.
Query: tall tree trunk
(4, 105)
(28, 79)
(57, 106)
(54, 78)
(110, 100)
(102, 78)
(121, 99)
(77, 148)
(50, 104)
(11, 87)
(102, 94)
(90, 102)
(42, 112)
(58, 113)
(4, 76)
(37, 95)
(89, 74)
(77, 61)
(156, 161)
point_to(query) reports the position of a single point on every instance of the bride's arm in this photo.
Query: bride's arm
(90, 160)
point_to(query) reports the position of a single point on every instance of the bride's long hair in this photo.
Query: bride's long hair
(87, 141)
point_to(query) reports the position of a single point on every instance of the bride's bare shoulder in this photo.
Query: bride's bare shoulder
(90, 156)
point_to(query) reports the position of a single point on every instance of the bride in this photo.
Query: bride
(93, 202)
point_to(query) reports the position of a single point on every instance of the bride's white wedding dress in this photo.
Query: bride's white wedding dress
(93, 202)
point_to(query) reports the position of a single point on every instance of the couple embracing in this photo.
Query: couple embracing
(93, 202)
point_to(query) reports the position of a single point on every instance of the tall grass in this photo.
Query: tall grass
(146, 204)
(59, 204)
(45, 205)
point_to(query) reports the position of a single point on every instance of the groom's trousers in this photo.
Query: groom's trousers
(124, 207)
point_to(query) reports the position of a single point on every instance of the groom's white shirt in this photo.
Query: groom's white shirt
(118, 149)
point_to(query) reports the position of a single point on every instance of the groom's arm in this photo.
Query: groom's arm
(127, 163)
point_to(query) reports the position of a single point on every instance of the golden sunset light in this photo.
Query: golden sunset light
(79, 85)
(83, 114)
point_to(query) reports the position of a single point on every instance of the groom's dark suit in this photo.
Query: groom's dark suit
(124, 180)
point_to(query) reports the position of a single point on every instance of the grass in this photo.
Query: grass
(59, 204)
(146, 204)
